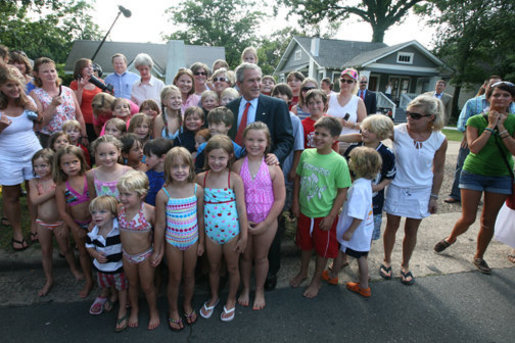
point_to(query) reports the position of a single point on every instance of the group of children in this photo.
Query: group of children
(125, 217)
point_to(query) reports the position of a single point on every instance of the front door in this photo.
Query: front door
(400, 85)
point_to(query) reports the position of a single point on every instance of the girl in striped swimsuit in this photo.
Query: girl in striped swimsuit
(179, 209)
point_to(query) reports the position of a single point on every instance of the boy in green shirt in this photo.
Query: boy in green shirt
(319, 191)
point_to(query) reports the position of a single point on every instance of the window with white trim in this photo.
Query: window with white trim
(298, 55)
(405, 57)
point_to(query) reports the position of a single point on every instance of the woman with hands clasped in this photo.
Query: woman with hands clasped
(488, 168)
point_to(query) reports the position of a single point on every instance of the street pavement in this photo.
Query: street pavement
(450, 301)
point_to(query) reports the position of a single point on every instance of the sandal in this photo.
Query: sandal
(191, 317)
(177, 322)
(482, 266)
(356, 288)
(405, 276)
(121, 320)
(98, 306)
(207, 311)
(34, 237)
(385, 272)
(441, 246)
(230, 313)
(332, 281)
(23, 243)
(109, 304)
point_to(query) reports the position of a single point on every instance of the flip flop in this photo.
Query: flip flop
(405, 276)
(121, 320)
(384, 271)
(226, 312)
(22, 243)
(208, 310)
(34, 237)
(176, 322)
(98, 306)
(191, 317)
(109, 305)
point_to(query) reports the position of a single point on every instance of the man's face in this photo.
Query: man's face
(491, 82)
(363, 83)
(251, 85)
(119, 65)
(440, 87)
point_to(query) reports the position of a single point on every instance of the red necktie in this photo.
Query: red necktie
(243, 125)
(363, 95)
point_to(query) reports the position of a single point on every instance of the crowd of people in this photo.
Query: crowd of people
(202, 169)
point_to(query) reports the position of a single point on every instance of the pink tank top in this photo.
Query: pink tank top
(259, 192)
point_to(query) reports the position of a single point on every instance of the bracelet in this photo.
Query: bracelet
(434, 196)
(505, 136)
(503, 132)
(489, 130)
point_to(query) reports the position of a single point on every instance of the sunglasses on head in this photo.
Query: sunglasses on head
(221, 79)
(197, 73)
(305, 89)
(498, 83)
(416, 116)
(346, 81)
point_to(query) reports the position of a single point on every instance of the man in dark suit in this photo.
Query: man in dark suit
(368, 97)
(253, 106)
(444, 97)
(273, 112)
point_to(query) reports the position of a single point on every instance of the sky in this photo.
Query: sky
(149, 20)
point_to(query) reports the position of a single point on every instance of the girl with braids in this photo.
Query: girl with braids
(168, 123)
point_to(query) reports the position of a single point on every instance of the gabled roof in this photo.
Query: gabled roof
(158, 52)
(335, 54)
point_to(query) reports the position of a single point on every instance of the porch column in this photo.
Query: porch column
(175, 59)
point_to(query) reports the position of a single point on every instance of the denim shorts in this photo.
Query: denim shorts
(491, 184)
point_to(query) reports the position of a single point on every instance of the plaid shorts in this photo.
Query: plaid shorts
(116, 280)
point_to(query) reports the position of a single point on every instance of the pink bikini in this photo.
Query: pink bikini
(137, 224)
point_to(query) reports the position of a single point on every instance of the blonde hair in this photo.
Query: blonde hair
(7, 75)
(133, 181)
(228, 76)
(71, 124)
(164, 94)
(178, 153)
(108, 139)
(219, 142)
(259, 125)
(207, 94)
(379, 124)
(47, 155)
(230, 92)
(251, 50)
(102, 102)
(104, 202)
(58, 175)
(118, 123)
(365, 162)
(117, 101)
(137, 120)
(430, 105)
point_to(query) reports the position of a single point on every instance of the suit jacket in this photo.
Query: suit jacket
(370, 102)
(447, 104)
(274, 113)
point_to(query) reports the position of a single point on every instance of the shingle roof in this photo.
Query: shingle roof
(335, 53)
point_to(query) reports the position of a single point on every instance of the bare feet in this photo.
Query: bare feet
(154, 322)
(133, 319)
(78, 275)
(312, 290)
(243, 299)
(46, 288)
(297, 280)
(121, 323)
(259, 301)
(86, 289)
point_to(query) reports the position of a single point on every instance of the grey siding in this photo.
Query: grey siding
(419, 60)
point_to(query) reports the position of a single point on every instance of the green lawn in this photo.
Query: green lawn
(6, 232)
(453, 135)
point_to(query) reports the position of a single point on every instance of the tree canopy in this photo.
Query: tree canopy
(46, 28)
(231, 24)
(380, 14)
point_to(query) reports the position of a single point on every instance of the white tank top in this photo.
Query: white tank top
(351, 107)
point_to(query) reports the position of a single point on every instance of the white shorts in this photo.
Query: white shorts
(14, 173)
(407, 202)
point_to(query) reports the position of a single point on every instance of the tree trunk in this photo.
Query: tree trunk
(378, 34)
(455, 98)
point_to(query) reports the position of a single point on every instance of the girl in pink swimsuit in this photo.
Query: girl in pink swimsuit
(136, 220)
(72, 198)
(225, 222)
(180, 221)
(264, 200)
(42, 195)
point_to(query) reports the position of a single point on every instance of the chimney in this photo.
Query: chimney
(315, 46)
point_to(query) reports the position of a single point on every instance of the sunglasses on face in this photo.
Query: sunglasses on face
(416, 116)
(200, 73)
(363, 82)
(305, 89)
(221, 79)
(346, 81)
